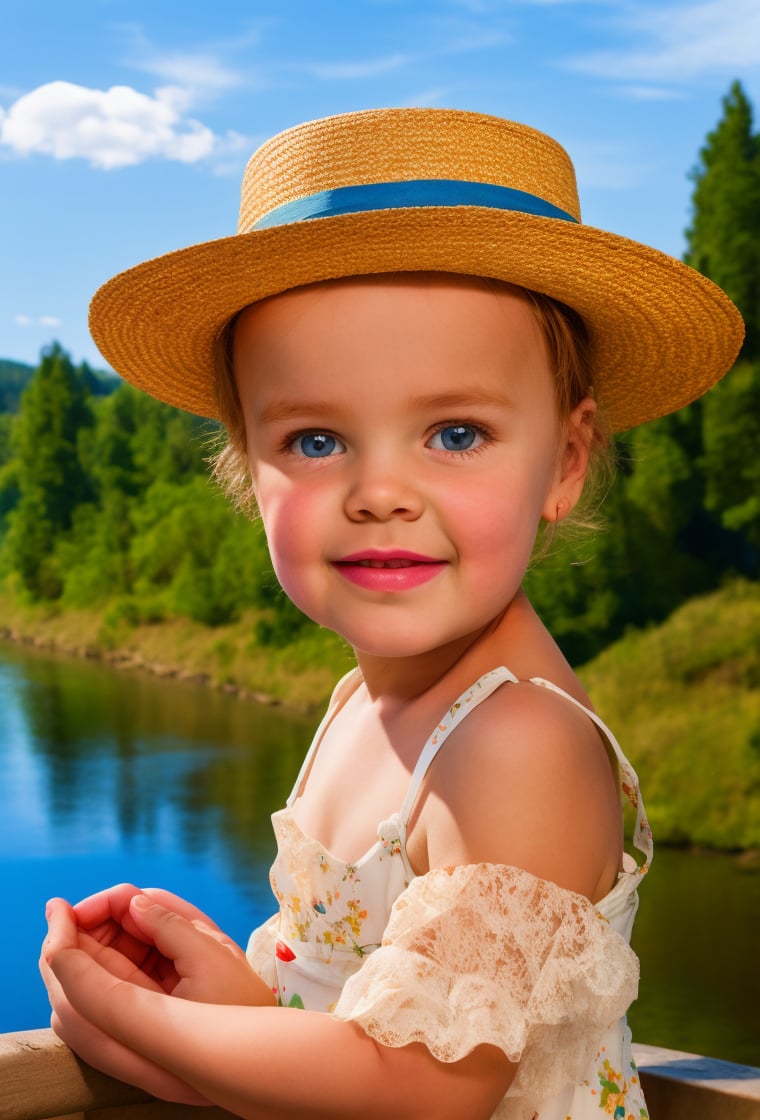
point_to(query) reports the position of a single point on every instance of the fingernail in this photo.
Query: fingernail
(142, 902)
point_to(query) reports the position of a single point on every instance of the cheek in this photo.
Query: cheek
(502, 545)
(499, 520)
(293, 520)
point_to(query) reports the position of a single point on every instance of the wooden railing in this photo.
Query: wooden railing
(40, 1079)
(681, 1086)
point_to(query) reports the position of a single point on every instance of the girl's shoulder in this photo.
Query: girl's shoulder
(525, 780)
(525, 734)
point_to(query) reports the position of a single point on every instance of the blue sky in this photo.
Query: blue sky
(125, 125)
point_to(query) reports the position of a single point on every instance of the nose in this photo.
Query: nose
(381, 492)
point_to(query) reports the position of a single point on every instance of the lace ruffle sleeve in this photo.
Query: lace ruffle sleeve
(491, 954)
(260, 951)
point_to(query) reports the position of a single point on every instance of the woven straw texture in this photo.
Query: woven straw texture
(661, 333)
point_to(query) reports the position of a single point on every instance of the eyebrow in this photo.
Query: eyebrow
(461, 399)
(278, 411)
(284, 410)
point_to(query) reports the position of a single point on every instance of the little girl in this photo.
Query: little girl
(416, 348)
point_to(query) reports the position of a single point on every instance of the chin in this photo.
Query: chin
(393, 645)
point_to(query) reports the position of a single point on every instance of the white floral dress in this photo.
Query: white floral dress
(455, 958)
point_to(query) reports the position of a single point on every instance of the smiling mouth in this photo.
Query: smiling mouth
(401, 571)
(387, 558)
(394, 562)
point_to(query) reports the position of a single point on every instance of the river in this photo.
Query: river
(108, 776)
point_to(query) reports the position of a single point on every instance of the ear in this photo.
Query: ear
(572, 462)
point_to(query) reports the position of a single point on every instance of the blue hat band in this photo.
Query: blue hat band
(411, 193)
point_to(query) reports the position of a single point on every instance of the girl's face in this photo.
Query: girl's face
(404, 445)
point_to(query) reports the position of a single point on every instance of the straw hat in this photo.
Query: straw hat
(422, 190)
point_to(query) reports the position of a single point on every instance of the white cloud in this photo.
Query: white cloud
(476, 39)
(201, 73)
(607, 165)
(460, 40)
(476, 6)
(367, 68)
(9, 93)
(651, 93)
(426, 98)
(23, 320)
(117, 127)
(197, 74)
(682, 41)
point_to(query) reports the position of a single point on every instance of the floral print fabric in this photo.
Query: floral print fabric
(346, 941)
(332, 914)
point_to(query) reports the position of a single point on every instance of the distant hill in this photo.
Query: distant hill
(15, 376)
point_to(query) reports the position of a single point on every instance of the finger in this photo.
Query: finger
(49, 979)
(62, 927)
(178, 905)
(74, 969)
(115, 963)
(175, 937)
(108, 1023)
(110, 905)
(140, 972)
(112, 1006)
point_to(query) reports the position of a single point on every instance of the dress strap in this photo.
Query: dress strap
(345, 688)
(469, 700)
(629, 782)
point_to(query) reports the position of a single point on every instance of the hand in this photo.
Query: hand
(93, 1045)
(157, 940)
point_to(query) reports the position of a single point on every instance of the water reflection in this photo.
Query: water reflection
(696, 934)
(124, 757)
(108, 776)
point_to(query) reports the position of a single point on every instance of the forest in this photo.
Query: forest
(106, 502)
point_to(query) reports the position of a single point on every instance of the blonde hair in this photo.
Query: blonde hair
(567, 347)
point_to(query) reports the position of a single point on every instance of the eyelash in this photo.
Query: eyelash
(287, 446)
(486, 438)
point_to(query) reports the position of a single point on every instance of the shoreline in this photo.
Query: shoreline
(298, 677)
(126, 660)
(694, 695)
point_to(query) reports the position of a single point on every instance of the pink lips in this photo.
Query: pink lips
(397, 570)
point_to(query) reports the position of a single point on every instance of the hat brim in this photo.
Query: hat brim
(661, 334)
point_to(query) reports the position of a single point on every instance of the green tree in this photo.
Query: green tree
(724, 236)
(9, 488)
(49, 475)
(730, 459)
(54, 409)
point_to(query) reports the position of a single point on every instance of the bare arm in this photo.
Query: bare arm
(271, 1062)
(534, 790)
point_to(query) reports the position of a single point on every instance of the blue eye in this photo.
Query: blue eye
(316, 445)
(456, 437)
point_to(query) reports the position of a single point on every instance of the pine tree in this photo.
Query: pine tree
(51, 480)
(724, 236)
(54, 410)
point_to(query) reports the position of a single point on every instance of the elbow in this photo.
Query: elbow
(421, 1085)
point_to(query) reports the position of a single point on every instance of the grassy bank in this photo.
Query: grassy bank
(299, 676)
(683, 696)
